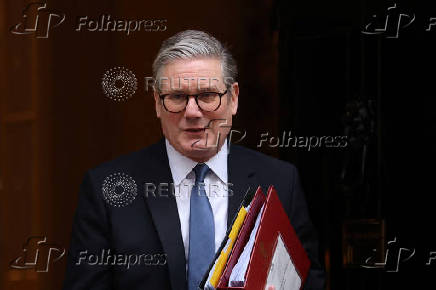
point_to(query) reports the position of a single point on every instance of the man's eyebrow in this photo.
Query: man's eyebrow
(207, 89)
(174, 92)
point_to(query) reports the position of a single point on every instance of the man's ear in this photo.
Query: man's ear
(234, 98)
(157, 104)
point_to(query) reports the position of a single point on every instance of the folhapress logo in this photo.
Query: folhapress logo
(394, 21)
(38, 20)
(37, 254)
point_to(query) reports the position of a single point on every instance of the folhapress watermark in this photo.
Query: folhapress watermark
(212, 140)
(106, 22)
(39, 20)
(395, 256)
(394, 21)
(106, 258)
(305, 142)
(38, 254)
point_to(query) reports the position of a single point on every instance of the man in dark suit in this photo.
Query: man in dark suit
(153, 219)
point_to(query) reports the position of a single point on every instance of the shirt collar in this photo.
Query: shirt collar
(181, 165)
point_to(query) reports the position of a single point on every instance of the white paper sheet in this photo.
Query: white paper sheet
(282, 274)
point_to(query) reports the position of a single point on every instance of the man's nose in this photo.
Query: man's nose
(192, 109)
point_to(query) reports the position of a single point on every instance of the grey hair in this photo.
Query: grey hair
(189, 44)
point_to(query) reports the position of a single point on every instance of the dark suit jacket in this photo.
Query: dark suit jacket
(150, 225)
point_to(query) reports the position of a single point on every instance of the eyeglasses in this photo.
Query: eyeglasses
(206, 101)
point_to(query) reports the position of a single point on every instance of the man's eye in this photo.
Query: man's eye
(177, 97)
(208, 96)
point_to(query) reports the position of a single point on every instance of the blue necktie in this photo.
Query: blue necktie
(201, 230)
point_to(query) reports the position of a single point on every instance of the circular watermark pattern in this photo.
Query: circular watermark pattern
(119, 84)
(119, 189)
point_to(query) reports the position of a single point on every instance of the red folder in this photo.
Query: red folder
(274, 222)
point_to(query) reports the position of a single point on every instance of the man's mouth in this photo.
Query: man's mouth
(194, 130)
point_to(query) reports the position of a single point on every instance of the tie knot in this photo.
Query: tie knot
(200, 171)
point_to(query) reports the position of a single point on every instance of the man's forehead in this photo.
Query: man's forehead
(198, 74)
(196, 67)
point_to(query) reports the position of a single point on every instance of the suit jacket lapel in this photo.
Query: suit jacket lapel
(166, 218)
(241, 178)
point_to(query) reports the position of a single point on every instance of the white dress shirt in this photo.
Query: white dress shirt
(215, 187)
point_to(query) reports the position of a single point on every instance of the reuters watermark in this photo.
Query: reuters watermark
(119, 84)
(106, 258)
(119, 189)
(186, 83)
(165, 189)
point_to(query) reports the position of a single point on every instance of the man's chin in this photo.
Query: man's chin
(198, 152)
(190, 143)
